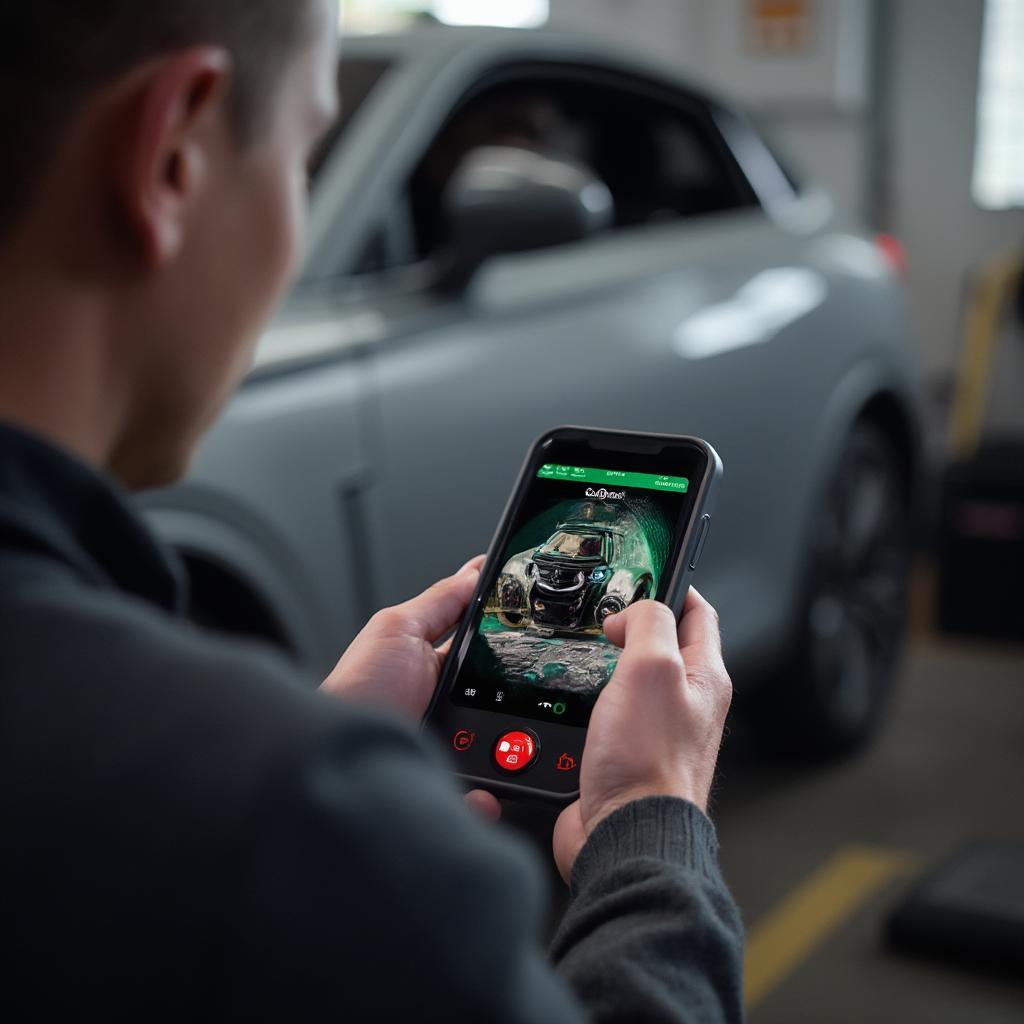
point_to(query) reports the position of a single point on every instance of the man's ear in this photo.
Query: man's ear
(172, 117)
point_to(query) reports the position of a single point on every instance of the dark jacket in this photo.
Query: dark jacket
(187, 827)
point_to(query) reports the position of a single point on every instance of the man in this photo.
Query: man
(188, 829)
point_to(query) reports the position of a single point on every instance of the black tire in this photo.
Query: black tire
(605, 607)
(832, 691)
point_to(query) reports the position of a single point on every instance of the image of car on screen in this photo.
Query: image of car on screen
(586, 570)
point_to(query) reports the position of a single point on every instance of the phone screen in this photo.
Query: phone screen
(589, 537)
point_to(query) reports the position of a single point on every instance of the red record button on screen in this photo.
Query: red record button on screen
(515, 750)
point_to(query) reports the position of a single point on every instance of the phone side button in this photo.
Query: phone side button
(705, 525)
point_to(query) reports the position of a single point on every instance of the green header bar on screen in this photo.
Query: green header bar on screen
(613, 478)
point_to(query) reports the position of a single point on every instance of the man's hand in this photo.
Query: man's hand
(657, 725)
(393, 660)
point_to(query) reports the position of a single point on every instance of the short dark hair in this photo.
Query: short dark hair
(53, 53)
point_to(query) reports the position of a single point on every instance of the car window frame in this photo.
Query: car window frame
(703, 111)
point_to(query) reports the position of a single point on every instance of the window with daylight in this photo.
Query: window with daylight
(363, 16)
(998, 181)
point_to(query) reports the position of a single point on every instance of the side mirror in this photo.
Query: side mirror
(503, 199)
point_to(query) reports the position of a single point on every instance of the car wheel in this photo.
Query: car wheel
(833, 689)
(511, 619)
(609, 605)
(642, 591)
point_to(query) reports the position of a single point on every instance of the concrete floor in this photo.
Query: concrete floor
(949, 767)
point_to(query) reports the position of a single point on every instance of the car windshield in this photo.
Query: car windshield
(357, 78)
(576, 545)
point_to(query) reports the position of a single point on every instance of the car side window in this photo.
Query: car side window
(658, 152)
(661, 161)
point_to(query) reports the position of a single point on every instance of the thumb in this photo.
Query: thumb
(567, 839)
(646, 625)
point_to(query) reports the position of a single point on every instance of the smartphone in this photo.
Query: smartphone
(598, 520)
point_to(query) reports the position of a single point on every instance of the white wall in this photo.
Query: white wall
(671, 29)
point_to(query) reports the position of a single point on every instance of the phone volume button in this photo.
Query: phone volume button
(702, 535)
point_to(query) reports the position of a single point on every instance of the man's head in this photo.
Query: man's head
(153, 192)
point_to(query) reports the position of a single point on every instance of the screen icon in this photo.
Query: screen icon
(463, 739)
(556, 708)
(565, 763)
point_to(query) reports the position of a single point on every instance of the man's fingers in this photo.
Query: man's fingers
(439, 608)
(700, 639)
(484, 803)
(647, 633)
(476, 562)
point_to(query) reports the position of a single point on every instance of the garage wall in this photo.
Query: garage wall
(933, 55)
(671, 29)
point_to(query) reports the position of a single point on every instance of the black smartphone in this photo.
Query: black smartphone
(598, 519)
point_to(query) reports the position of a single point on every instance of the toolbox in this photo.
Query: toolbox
(981, 544)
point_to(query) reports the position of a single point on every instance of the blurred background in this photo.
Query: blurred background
(792, 227)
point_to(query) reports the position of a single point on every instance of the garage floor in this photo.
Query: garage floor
(817, 859)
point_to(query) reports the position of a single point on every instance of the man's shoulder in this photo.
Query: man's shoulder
(101, 640)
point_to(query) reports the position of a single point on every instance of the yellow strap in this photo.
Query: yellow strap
(992, 291)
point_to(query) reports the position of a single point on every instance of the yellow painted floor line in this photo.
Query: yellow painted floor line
(787, 934)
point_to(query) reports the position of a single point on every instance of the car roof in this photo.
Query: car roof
(438, 45)
(584, 525)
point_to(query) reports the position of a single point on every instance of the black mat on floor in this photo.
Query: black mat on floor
(968, 910)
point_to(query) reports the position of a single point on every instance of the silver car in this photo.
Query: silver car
(511, 231)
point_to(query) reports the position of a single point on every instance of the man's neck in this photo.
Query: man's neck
(55, 372)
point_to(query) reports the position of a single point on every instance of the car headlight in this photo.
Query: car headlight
(597, 575)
